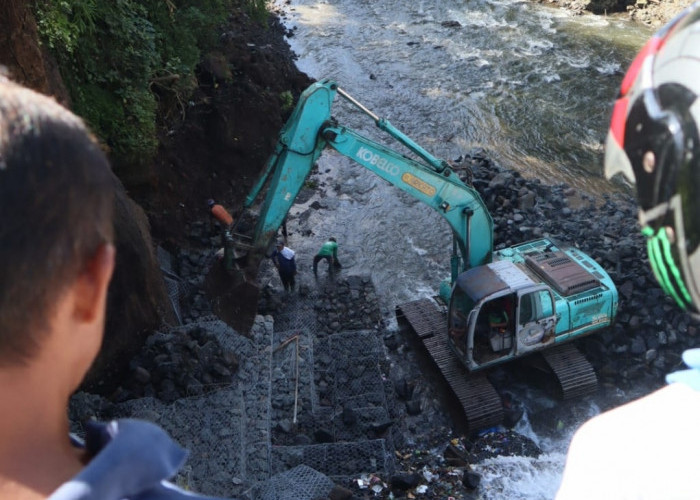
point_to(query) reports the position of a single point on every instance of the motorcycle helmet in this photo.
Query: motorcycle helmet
(653, 141)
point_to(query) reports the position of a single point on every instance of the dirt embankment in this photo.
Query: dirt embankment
(215, 144)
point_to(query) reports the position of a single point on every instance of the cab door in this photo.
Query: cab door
(536, 319)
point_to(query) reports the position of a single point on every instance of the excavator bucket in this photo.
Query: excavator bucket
(233, 295)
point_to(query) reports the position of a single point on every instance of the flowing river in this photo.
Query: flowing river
(531, 84)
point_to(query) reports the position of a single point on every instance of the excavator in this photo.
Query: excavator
(498, 306)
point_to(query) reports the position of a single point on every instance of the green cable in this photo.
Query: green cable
(649, 233)
(672, 266)
(665, 282)
(652, 261)
(661, 260)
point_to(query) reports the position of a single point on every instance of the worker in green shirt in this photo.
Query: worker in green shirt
(329, 252)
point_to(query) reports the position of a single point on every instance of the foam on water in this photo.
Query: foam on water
(515, 478)
(608, 68)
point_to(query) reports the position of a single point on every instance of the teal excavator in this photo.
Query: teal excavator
(496, 307)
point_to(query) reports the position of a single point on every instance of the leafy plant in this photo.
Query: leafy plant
(287, 101)
(257, 10)
(119, 58)
(62, 23)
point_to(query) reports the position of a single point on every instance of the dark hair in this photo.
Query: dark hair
(331, 238)
(56, 205)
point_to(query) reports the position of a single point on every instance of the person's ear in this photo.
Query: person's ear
(92, 284)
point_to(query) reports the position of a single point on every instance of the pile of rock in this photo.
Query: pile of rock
(348, 304)
(184, 362)
(651, 331)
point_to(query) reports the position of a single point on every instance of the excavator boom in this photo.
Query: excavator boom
(311, 129)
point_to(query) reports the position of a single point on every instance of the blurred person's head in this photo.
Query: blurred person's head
(56, 204)
(653, 140)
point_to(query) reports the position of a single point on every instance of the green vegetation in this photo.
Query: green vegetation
(287, 101)
(257, 9)
(121, 58)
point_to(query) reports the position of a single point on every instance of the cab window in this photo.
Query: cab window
(535, 306)
(460, 306)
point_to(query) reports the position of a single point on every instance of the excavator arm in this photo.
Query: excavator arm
(311, 129)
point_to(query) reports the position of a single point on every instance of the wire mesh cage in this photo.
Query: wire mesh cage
(306, 405)
(300, 482)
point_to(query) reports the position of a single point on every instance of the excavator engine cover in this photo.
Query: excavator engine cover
(564, 274)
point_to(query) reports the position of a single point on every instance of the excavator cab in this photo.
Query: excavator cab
(497, 313)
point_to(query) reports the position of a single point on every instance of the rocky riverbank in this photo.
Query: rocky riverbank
(653, 13)
(322, 374)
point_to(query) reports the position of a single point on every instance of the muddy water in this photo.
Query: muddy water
(530, 84)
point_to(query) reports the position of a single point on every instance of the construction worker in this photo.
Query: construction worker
(646, 449)
(220, 213)
(225, 219)
(57, 255)
(328, 252)
(283, 259)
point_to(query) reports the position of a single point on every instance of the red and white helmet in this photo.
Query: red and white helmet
(653, 140)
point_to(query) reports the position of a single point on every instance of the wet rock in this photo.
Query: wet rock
(638, 346)
(503, 443)
(379, 428)
(404, 389)
(456, 457)
(285, 425)
(404, 481)
(391, 342)
(348, 417)
(413, 407)
(471, 480)
(512, 415)
(651, 355)
(323, 436)
(500, 180)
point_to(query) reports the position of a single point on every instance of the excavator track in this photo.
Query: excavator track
(481, 403)
(573, 371)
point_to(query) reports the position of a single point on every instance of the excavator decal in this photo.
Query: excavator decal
(420, 185)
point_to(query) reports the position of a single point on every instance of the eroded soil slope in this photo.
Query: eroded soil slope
(229, 128)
